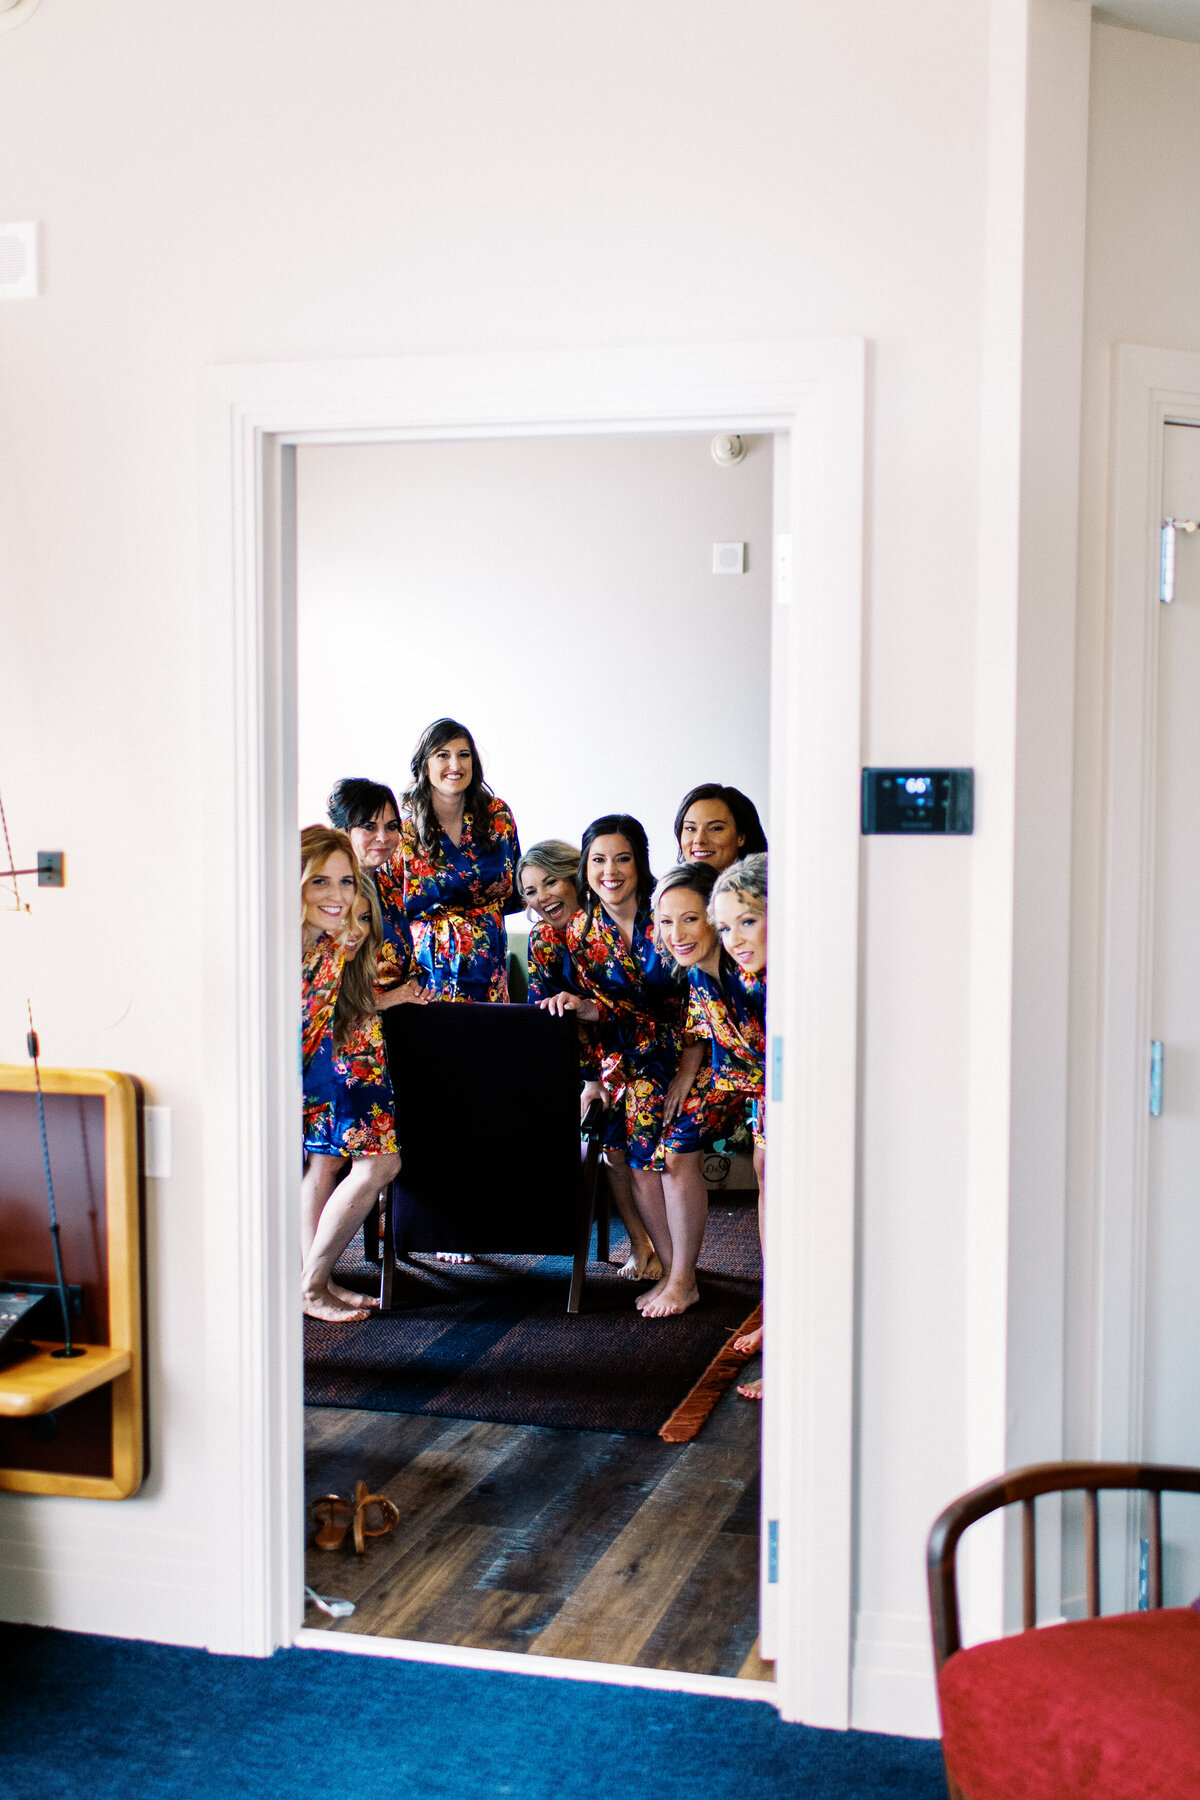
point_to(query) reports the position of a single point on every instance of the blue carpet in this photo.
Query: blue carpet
(104, 1719)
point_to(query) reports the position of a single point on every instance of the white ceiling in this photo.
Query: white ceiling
(1165, 18)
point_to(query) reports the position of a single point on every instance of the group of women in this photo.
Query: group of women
(405, 904)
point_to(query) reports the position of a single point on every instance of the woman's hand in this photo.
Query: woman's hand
(561, 1004)
(685, 1075)
(593, 1090)
(410, 993)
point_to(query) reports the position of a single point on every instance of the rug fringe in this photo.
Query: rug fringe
(695, 1406)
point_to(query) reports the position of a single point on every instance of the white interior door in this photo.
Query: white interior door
(1171, 1418)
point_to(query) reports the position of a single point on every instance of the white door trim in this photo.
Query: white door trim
(1152, 389)
(815, 392)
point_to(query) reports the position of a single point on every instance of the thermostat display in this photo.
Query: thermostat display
(929, 800)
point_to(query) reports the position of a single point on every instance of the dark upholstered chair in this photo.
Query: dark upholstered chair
(1097, 1709)
(495, 1160)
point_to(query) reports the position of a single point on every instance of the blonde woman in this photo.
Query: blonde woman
(348, 1106)
(738, 909)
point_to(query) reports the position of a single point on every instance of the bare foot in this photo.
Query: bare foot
(651, 1293)
(641, 1265)
(324, 1306)
(751, 1390)
(670, 1299)
(746, 1346)
(453, 1256)
(348, 1297)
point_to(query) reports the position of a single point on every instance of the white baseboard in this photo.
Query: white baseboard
(892, 1687)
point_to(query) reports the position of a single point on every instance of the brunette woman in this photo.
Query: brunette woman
(367, 812)
(738, 909)
(715, 825)
(546, 882)
(348, 1108)
(631, 992)
(458, 850)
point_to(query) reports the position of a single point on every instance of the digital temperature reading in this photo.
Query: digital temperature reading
(924, 800)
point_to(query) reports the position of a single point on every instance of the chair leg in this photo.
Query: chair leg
(583, 1233)
(387, 1259)
(603, 1211)
(952, 1787)
(370, 1233)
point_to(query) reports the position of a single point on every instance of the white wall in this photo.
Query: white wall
(1143, 276)
(254, 180)
(555, 594)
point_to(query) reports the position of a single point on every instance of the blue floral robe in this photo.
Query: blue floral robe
(640, 1003)
(454, 899)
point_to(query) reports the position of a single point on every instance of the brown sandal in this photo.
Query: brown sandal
(335, 1517)
(387, 1512)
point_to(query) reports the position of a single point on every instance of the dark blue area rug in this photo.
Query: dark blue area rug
(90, 1718)
(493, 1339)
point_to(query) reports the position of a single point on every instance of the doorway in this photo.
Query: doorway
(1147, 1115)
(567, 599)
(814, 394)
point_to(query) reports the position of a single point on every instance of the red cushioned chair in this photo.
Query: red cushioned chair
(1103, 1708)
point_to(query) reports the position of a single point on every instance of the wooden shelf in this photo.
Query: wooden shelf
(43, 1382)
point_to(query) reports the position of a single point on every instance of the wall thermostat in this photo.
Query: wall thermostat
(929, 800)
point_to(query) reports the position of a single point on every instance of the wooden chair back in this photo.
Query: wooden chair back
(1022, 1487)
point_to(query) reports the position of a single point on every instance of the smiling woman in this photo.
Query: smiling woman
(456, 859)
(367, 812)
(715, 825)
(348, 1106)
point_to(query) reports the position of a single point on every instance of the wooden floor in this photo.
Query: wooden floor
(547, 1542)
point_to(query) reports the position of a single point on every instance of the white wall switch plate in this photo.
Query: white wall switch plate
(18, 262)
(729, 559)
(156, 1140)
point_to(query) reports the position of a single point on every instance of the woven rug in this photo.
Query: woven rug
(493, 1339)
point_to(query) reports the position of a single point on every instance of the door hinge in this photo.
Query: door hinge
(1156, 1059)
(772, 1550)
(1166, 561)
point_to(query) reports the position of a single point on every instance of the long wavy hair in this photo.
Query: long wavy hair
(634, 833)
(418, 795)
(742, 811)
(356, 994)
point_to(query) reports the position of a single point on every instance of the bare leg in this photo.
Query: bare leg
(752, 1341)
(343, 1213)
(686, 1202)
(641, 1263)
(652, 1205)
(320, 1179)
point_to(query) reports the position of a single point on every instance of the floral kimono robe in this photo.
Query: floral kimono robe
(454, 899)
(550, 972)
(730, 1010)
(640, 1015)
(348, 1105)
(397, 963)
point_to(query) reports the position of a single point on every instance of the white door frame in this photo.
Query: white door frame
(814, 391)
(1153, 388)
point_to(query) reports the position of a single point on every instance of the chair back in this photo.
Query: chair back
(487, 1119)
(1023, 1486)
